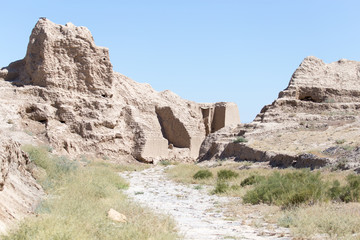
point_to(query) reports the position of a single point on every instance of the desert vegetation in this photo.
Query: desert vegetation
(240, 140)
(79, 195)
(203, 174)
(322, 220)
(297, 194)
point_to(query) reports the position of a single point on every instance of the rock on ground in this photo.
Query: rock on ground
(116, 216)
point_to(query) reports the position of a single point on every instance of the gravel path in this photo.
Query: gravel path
(198, 215)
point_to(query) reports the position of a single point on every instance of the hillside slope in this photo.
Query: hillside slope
(313, 123)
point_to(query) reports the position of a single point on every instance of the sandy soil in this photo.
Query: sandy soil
(198, 215)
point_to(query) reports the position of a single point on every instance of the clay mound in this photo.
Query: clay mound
(63, 57)
(318, 110)
(318, 82)
(68, 96)
(316, 87)
(65, 94)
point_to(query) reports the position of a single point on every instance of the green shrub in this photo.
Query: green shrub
(165, 162)
(253, 179)
(240, 140)
(348, 193)
(340, 141)
(226, 174)
(329, 100)
(55, 167)
(351, 192)
(80, 199)
(235, 187)
(289, 189)
(335, 191)
(221, 187)
(341, 164)
(286, 221)
(203, 174)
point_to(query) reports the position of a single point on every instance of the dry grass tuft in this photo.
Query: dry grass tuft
(326, 220)
(322, 220)
(184, 173)
(77, 208)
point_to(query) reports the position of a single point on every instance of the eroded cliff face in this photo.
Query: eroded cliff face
(315, 88)
(313, 123)
(68, 95)
(65, 94)
(19, 192)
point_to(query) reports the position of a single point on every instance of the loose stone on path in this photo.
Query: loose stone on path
(197, 214)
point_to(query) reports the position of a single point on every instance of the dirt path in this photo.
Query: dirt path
(198, 215)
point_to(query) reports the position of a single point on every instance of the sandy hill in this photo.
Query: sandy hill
(313, 123)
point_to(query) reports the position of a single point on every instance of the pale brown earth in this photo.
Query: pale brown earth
(65, 94)
(19, 192)
(198, 214)
(314, 122)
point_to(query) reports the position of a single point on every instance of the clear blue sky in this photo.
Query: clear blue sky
(203, 50)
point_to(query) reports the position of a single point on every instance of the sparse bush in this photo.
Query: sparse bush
(348, 147)
(203, 174)
(79, 202)
(64, 165)
(29, 133)
(348, 193)
(240, 140)
(340, 141)
(351, 192)
(165, 162)
(289, 189)
(42, 207)
(329, 100)
(286, 221)
(226, 174)
(84, 159)
(342, 164)
(235, 187)
(330, 221)
(335, 191)
(253, 179)
(49, 148)
(184, 173)
(55, 167)
(221, 187)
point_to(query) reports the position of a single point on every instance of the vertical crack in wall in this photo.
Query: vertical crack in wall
(206, 119)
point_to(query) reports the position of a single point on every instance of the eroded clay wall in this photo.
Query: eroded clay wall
(225, 114)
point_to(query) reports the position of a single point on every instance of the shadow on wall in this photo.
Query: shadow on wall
(218, 116)
(172, 128)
